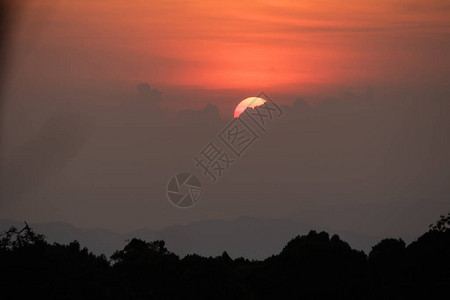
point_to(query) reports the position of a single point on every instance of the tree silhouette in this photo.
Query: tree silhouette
(388, 259)
(313, 266)
(443, 224)
(14, 239)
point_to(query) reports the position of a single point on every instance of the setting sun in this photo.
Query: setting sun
(251, 102)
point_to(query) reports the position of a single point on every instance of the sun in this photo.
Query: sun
(251, 102)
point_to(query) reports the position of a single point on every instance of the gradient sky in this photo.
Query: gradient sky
(284, 45)
(79, 145)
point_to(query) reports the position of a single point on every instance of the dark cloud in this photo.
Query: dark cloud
(30, 164)
(347, 162)
(206, 115)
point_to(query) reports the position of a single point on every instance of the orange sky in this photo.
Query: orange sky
(236, 44)
(82, 59)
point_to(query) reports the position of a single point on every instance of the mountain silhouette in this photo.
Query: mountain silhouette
(247, 237)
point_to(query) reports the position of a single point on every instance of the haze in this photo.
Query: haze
(363, 144)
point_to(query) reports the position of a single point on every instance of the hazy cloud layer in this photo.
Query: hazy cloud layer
(371, 162)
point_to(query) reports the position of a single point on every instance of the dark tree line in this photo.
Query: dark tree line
(314, 266)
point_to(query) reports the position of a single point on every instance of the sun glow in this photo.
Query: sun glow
(251, 102)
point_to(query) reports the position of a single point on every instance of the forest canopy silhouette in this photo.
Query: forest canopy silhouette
(312, 266)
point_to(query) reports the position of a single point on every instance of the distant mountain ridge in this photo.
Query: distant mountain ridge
(247, 237)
